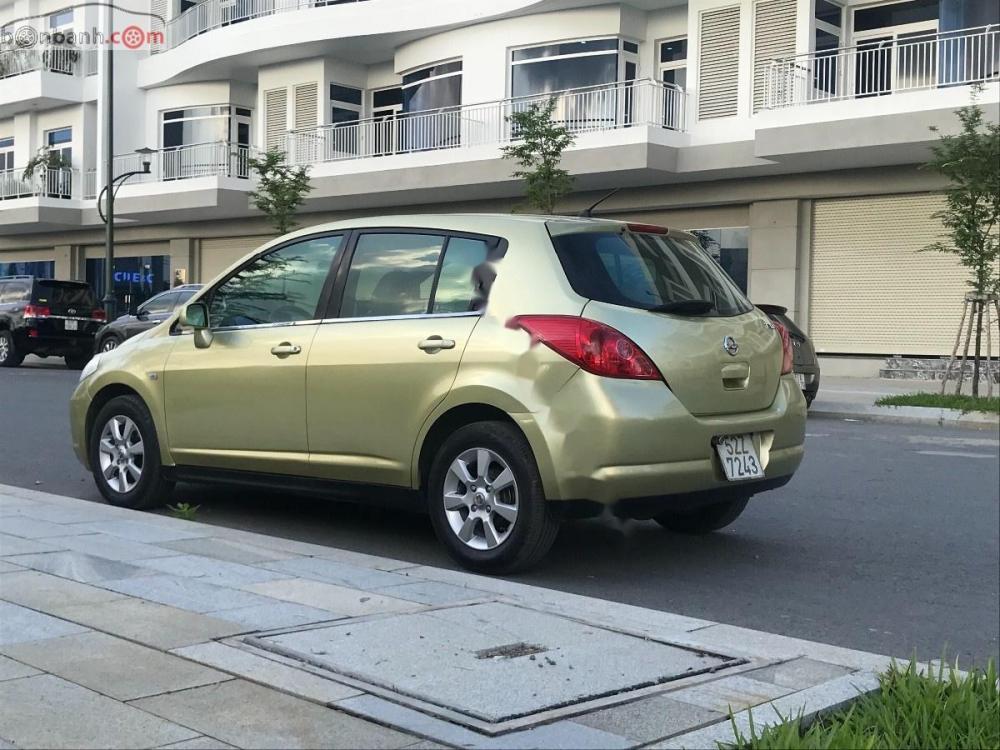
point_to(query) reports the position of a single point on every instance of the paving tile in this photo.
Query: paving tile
(251, 716)
(198, 743)
(63, 514)
(267, 672)
(81, 567)
(432, 592)
(113, 667)
(50, 593)
(333, 571)
(12, 670)
(210, 570)
(7, 567)
(154, 624)
(186, 593)
(559, 734)
(730, 694)
(108, 546)
(227, 549)
(14, 545)
(410, 720)
(345, 601)
(650, 719)
(46, 711)
(152, 532)
(19, 625)
(32, 528)
(276, 615)
(799, 673)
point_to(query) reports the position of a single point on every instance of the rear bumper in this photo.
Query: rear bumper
(46, 336)
(608, 441)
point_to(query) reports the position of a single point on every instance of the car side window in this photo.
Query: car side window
(283, 286)
(15, 292)
(183, 297)
(465, 276)
(391, 274)
(159, 305)
(2, 288)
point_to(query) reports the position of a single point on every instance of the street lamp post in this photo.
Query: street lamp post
(111, 188)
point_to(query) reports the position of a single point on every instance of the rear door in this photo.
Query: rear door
(721, 360)
(391, 350)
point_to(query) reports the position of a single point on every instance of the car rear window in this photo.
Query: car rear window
(64, 294)
(646, 271)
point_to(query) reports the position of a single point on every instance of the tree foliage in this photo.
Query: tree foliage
(538, 151)
(970, 161)
(281, 188)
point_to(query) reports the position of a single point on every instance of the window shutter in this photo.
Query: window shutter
(306, 95)
(161, 14)
(773, 37)
(275, 118)
(718, 63)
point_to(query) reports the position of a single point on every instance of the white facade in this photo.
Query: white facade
(738, 117)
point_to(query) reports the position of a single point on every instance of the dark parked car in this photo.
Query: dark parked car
(805, 364)
(49, 318)
(150, 313)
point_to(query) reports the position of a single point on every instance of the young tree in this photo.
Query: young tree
(969, 160)
(538, 151)
(281, 188)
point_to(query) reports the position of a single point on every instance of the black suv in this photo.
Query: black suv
(48, 318)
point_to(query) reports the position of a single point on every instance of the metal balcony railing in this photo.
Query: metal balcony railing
(586, 110)
(878, 68)
(51, 183)
(64, 60)
(214, 14)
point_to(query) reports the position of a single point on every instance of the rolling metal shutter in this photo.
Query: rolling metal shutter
(773, 37)
(718, 63)
(218, 254)
(306, 95)
(275, 118)
(870, 291)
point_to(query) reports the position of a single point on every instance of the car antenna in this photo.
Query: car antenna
(589, 211)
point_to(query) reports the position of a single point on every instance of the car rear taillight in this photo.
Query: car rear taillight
(786, 347)
(597, 348)
(37, 311)
(98, 314)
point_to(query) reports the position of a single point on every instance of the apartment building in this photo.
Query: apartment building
(788, 133)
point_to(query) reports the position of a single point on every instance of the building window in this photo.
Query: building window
(563, 66)
(43, 269)
(437, 88)
(197, 141)
(134, 280)
(60, 143)
(895, 47)
(673, 62)
(61, 19)
(346, 104)
(730, 249)
(6, 154)
(386, 105)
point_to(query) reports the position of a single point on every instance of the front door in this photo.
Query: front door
(380, 368)
(241, 403)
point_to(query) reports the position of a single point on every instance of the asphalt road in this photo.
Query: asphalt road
(887, 539)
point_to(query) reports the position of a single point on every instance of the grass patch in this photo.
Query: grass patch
(909, 710)
(943, 401)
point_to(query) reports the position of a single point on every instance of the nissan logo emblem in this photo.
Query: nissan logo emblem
(729, 346)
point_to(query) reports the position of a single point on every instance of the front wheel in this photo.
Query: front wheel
(486, 500)
(109, 343)
(705, 519)
(125, 455)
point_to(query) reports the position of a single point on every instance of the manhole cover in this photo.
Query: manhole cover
(494, 661)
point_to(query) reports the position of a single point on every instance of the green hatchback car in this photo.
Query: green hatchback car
(503, 372)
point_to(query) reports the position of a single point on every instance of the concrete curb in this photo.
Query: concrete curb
(910, 415)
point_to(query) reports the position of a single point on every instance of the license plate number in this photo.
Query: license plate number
(739, 457)
(72, 325)
(800, 380)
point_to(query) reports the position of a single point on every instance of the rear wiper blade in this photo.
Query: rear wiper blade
(685, 307)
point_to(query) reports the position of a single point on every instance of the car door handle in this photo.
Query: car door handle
(433, 344)
(285, 349)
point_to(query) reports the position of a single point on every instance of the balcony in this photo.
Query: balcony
(595, 109)
(59, 184)
(921, 63)
(44, 77)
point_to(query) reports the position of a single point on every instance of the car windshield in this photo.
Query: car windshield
(648, 271)
(64, 294)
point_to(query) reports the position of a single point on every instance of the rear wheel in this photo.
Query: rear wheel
(77, 361)
(705, 519)
(125, 455)
(9, 356)
(486, 500)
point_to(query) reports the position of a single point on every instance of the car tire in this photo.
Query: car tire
(132, 440)
(512, 526)
(109, 342)
(77, 361)
(9, 355)
(705, 519)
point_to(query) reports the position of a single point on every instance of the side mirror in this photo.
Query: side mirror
(142, 314)
(195, 316)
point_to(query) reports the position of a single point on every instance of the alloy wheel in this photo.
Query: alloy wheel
(121, 453)
(109, 344)
(4, 349)
(480, 498)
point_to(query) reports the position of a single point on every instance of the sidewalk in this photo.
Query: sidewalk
(854, 398)
(127, 629)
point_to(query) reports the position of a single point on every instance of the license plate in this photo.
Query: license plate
(71, 325)
(739, 457)
(800, 380)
